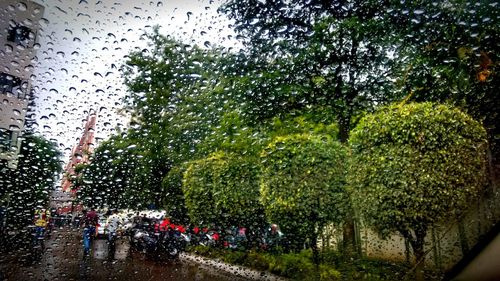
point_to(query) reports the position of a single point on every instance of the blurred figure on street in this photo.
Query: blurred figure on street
(113, 225)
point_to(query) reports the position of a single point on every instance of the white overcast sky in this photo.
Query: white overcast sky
(83, 44)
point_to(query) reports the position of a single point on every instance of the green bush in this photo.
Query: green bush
(258, 261)
(295, 265)
(302, 184)
(328, 273)
(415, 165)
(233, 257)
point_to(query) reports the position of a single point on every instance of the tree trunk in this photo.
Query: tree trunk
(314, 242)
(464, 243)
(348, 239)
(349, 244)
(418, 249)
(344, 127)
(314, 248)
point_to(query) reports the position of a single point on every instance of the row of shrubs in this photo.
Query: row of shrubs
(293, 265)
(299, 266)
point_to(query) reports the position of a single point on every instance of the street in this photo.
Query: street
(63, 260)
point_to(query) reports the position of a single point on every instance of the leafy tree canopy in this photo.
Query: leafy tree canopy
(302, 183)
(223, 189)
(30, 185)
(415, 165)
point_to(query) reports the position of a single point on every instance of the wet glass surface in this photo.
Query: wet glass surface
(306, 139)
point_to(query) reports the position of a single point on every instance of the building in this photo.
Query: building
(62, 200)
(19, 28)
(81, 152)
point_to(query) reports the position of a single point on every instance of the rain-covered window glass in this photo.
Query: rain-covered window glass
(13, 85)
(8, 139)
(19, 34)
(249, 139)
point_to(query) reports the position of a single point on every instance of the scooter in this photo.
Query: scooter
(159, 245)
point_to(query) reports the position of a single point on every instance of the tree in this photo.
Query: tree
(236, 190)
(452, 51)
(416, 165)
(223, 189)
(302, 185)
(335, 54)
(112, 178)
(174, 97)
(316, 52)
(198, 192)
(30, 185)
(173, 197)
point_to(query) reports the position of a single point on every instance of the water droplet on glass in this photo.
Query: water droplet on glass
(22, 6)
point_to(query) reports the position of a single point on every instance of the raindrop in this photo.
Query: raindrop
(61, 10)
(43, 22)
(22, 6)
(8, 48)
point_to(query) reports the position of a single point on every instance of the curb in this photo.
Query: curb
(237, 270)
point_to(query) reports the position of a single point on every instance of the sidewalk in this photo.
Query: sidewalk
(237, 270)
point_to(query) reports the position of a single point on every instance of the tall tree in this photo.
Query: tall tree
(336, 54)
(416, 165)
(452, 52)
(112, 178)
(302, 185)
(30, 185)
(331, 53)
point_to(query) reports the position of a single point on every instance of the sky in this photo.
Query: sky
(83, 43)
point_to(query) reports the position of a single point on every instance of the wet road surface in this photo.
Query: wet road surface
(63, 259)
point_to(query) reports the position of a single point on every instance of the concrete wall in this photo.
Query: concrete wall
(17, 60)
(445, 244)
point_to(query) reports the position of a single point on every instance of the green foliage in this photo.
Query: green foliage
(173, 197)
(31, 184)
(302, 183)
(452, 56)
(223, 189)
(297, 266)
(316, 121)
(232, 134)
(311, 53)
(198, 192)
(415, 165)
(173, 98)
(113, 178)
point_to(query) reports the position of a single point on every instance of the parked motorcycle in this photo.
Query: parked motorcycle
(159, 245)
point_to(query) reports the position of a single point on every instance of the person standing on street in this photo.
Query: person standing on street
(90, 220)
(113, 224)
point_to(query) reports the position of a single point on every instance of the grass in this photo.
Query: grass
(299, 266)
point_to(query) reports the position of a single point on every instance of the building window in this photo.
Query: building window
(7, 139)
(12, 84)
(19, 34)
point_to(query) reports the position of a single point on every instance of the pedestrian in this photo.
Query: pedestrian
(90, 220)
(87, 234)
(113, 224)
